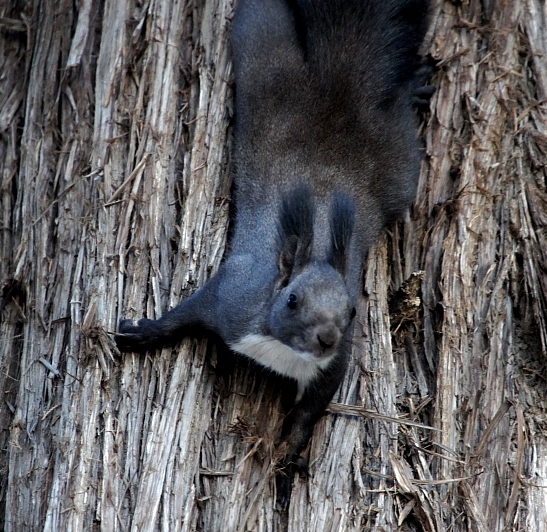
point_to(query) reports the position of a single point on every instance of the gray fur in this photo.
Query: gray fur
(325, 156)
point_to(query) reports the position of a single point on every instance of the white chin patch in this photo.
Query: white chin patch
(275, 355)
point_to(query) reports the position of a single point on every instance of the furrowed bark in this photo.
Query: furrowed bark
(115, 169)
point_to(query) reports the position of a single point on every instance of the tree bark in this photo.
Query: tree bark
(115, 202)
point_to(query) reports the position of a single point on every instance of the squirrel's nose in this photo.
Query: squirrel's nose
(326, 340)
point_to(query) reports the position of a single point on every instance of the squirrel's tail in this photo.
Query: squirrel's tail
(371, 46)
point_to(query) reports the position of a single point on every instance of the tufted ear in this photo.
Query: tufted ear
(295, 232)
(341, 230)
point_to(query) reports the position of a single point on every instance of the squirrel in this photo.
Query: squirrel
(326, 154)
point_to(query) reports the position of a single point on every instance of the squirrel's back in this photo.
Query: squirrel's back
(324, 92)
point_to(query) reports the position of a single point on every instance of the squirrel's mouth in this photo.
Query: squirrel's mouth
(325, 341)
(317, 350)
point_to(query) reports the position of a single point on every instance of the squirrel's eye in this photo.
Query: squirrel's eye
(292, 301)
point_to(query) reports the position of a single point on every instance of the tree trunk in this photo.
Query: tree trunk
(114, 160)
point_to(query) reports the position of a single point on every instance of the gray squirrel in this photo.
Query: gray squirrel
(326, 155)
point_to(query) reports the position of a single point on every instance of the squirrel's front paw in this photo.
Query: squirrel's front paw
(138, 337)
(288, 468)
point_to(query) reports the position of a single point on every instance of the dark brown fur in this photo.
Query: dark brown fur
(325, 156)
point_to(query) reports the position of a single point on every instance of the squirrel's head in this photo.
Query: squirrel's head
(312, 307)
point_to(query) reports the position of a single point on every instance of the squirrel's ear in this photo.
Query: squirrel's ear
(341, 229)
(295, 232)
(293, 256)
(286, 260)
